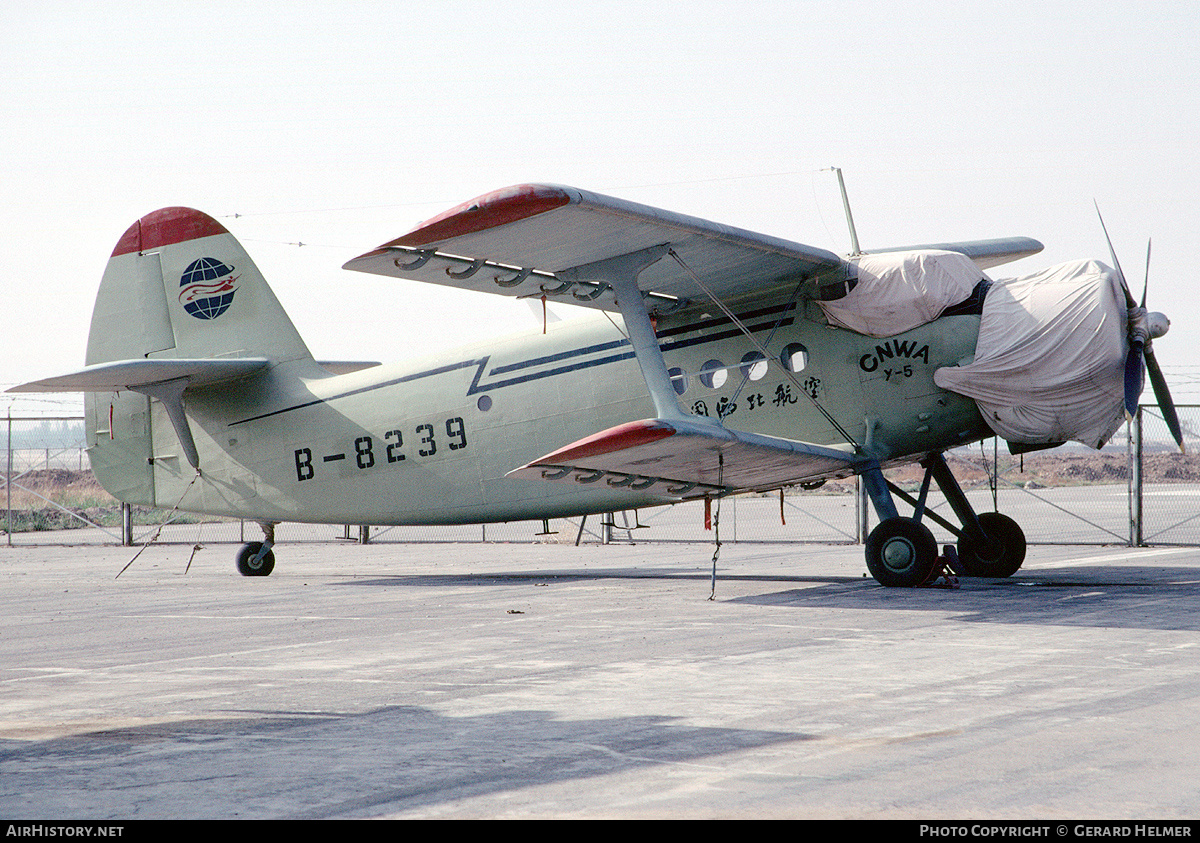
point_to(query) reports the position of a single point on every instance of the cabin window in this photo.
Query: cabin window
(713, 374)
(754, 366)
(678, 380)
(794, 357)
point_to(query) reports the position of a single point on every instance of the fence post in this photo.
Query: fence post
(8, 477)
(1136, 538)
(994, 480)
(126, 525)
(861, 513)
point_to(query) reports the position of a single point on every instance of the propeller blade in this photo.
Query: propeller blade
(1146, 283)
(1135, 378)
(1116, 263)
(1163, 396)
(1140, 358)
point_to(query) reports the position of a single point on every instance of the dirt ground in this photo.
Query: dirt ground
(77, 491)
(1048, 469)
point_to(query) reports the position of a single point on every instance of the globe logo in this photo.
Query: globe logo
(208, 288)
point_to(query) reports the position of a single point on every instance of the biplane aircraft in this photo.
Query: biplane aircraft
(729, 362)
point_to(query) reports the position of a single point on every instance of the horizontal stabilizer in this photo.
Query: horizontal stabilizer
(985, 253)
(121, 375)
(165, 379)
(686, 459)
(530, 239)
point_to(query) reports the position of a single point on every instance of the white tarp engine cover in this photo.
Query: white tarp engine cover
(897, 291)
(1050, 359)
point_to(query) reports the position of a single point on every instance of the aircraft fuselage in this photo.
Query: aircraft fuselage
(430, 442)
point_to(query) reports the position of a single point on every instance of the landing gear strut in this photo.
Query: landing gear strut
(255, 559)
(902, 551)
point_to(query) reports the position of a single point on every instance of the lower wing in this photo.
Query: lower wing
(682, 459)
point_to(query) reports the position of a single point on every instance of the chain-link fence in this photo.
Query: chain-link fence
(1137, 490)
(47, 482)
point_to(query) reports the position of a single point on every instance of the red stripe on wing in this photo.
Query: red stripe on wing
(618, 438)
(499, 207)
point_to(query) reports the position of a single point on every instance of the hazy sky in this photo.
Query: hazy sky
(340, 125)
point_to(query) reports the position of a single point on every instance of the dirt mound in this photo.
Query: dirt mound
(54, 482)
(1048, 468)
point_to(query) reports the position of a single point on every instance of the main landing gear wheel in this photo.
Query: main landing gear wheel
(249, 564)
(1006, 553)
(901, 553)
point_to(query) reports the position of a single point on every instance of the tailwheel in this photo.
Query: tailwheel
(1001, 556)
(255, 560)
(901, 553)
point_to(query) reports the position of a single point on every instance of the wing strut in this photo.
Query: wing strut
(621, 274)
(754, 340)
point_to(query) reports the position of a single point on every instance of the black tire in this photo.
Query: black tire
(246, 565)
(1003, 558)
(901, 553)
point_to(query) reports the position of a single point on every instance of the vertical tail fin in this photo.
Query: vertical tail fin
(179, 284)
(178, 292)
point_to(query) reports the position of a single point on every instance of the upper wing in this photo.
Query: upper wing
(522, 241)
(679, 458)
(985, 253)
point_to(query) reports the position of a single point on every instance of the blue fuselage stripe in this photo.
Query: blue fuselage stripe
(476, 387)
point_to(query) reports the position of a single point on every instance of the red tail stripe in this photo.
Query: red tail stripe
(167, 226)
